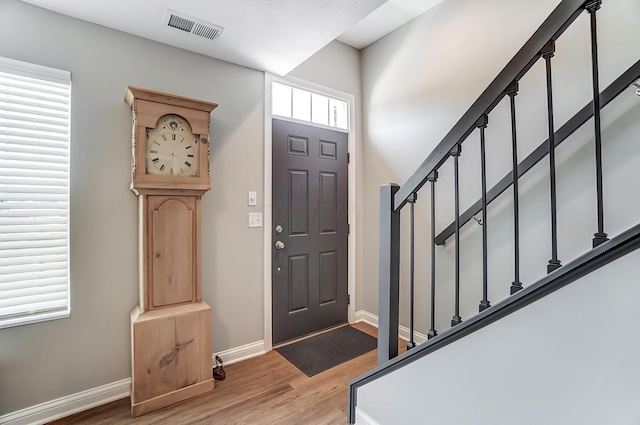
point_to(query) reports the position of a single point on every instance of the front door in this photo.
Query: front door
(310, 230)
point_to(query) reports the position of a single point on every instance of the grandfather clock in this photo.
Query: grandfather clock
(171, 326)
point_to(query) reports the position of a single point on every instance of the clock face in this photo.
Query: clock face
(172, 148)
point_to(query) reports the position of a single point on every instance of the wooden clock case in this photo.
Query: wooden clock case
(171, 327)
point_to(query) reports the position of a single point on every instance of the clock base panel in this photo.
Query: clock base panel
(171, 355)
(139, 409)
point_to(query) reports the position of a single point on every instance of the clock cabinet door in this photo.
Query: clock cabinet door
(173, 250)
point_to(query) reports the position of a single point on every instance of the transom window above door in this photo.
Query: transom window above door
(307, 106)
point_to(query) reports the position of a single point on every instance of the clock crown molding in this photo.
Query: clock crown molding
(133, 93)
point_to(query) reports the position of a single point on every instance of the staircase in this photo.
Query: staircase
(480, 255)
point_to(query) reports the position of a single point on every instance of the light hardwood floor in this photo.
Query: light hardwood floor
(259, 391)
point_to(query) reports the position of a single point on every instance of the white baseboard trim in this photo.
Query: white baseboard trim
(238, 354)
(366, 317)
(364, 419)
(85, 400)
(403, 331)
(66, 406)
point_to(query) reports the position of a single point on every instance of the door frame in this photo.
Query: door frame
(353, 149)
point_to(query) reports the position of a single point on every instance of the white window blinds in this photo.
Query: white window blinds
(34, 193)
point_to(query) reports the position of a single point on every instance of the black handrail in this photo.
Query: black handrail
(611, 92)
(563, 15)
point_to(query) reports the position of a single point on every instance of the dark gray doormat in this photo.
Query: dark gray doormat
(321, 352)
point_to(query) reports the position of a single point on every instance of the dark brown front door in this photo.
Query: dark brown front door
(310, 230)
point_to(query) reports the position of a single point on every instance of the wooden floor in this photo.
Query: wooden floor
(262, 390)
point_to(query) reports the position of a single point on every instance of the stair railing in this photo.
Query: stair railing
(393, 198)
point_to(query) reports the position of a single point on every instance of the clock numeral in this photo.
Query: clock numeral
(162, 167)
(156, 143)
(190, 156)
(153, 152)
(187, 163)
(164, 137)
(171, 171)
(188, 147)
(173, 137)
(182, 140)
(155, 160)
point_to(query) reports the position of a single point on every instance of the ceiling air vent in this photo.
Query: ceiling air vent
(191, 25)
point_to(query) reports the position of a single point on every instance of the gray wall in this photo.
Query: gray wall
(570, 358)
(420, 79)
(45, 361)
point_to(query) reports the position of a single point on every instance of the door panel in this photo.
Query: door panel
(328, 277)
(298, 202)
(310, 198)
(298, 283)
(328, 202)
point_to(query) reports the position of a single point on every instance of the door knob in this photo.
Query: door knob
(278, 229)
(279, 245)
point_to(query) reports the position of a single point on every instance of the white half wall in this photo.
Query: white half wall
(570, 358)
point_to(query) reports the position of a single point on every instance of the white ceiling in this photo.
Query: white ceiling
(383, 20)
(268, 35)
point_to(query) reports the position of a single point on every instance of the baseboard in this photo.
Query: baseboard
(403, 332)
(364, 419)
(366, 317)
(85, 400)
(66, 406)
(238, 354)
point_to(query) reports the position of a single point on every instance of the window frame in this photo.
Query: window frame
(310, 121)
(27, 129)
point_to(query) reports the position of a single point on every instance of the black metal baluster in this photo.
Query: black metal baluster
(516, 285)
(482, 124)
(412, 201)
(455, 152)
(554, 263)
(600, 236)
(432, 178)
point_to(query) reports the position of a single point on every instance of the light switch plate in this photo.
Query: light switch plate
(255, 219)
(253, 199)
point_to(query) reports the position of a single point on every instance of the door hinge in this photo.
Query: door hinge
(348, 229)
(348, 158)
(348, 299)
